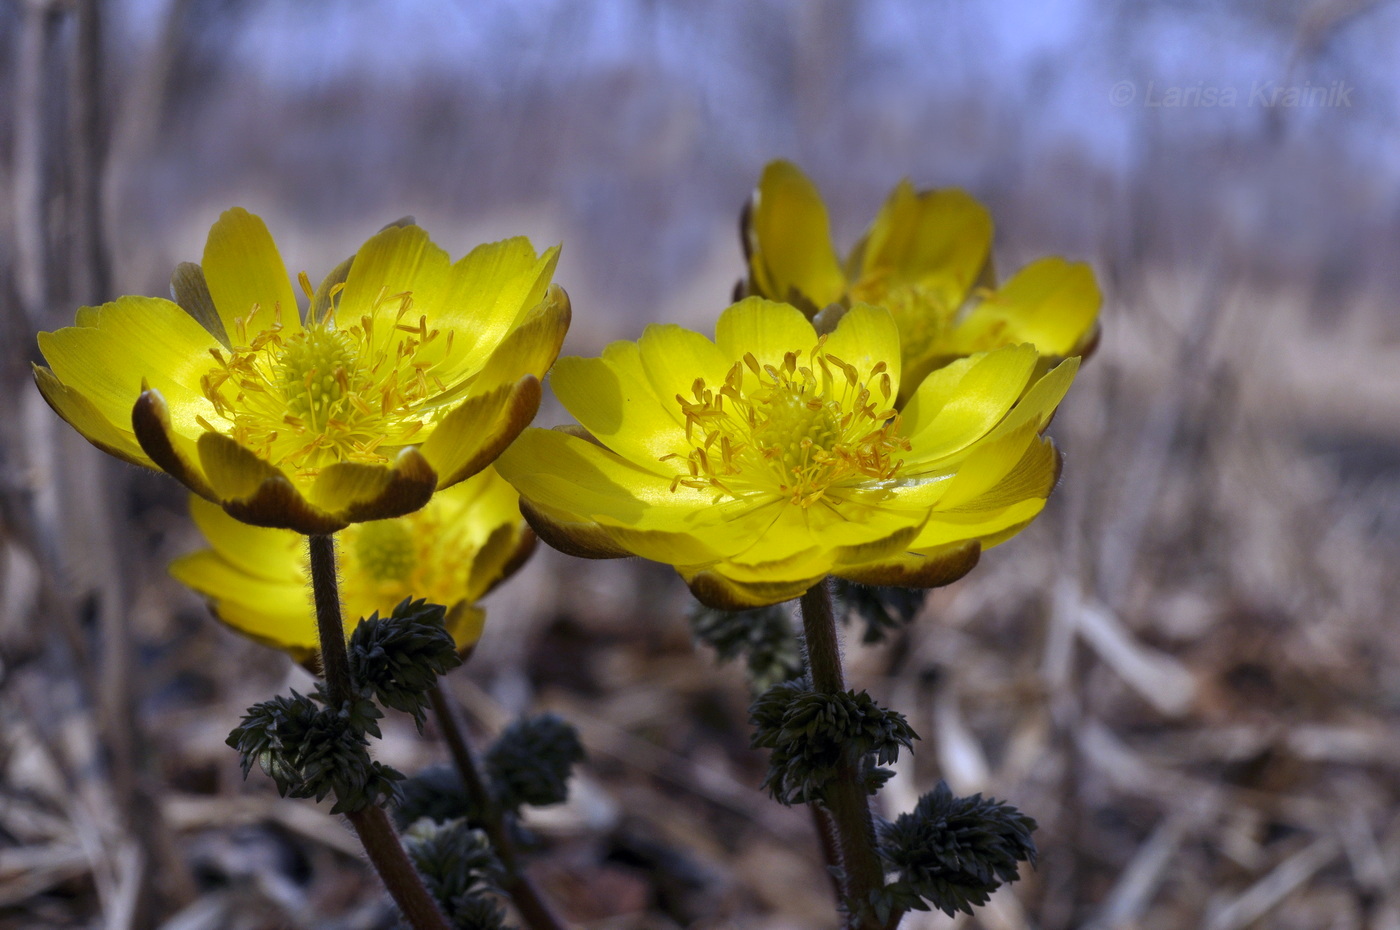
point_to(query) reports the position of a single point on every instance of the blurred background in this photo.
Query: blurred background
(1185, 670)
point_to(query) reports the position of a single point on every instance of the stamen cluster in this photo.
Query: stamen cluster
(327, 393)
(802, 429)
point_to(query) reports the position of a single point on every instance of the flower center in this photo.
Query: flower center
(803, 431)
(328, 393)
(385, 550)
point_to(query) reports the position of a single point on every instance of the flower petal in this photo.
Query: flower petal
(989, 527)
(931, 569)
(190, 290)
(356, 492)
(271, 555)
(674, 358)
(959, 403)
(765, 328)
(788, 239)
(84, 417)
(582, 539)
(531, 347)
(713, 589)
(498, 557)
(1050, 303)
(604, 506)
(565, 473)
(613, 399)
(174, 454)
(275, 613)
(490, 289)
(395, 261)
(939, 239)
(803, 542)
(122, 346)
(465, 623)
(988, 463)
(255, 492)
(479, 429)
(865, 337)
(246, 277)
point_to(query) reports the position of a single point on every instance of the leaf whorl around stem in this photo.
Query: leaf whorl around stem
(952, 853)
(765, 638)
(811, 735)
(436, 793)
(312, 751)
(398, 658)
(884, 609)
(460, 870)
(531, 761)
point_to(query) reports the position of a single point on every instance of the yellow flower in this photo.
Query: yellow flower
(408, 373)
(763, 461)
(927, 259)
(467, 540)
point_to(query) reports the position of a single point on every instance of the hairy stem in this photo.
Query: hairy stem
(533, 908)
(845, 799)
(376, 834)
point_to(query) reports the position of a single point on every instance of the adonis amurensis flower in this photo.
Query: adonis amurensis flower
(467, 540)
(761, 462)
(405, 374)
(927, 259)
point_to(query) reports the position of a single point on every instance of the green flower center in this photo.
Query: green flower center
(797, 428)
(385, 550)
(316, 371)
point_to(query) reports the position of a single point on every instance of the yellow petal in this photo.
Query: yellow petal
(800, 542)
(255, 492)
(479, 429)
(1040, 401)
(128, 342)
(674, 357)
(1033, 476)
(931, 569)
(938, 239)
(571, 534)
(271, 555)
(531, 347)
(987, 463)
(493, 558)
(613, 399)
(173, 453)
(465, 623)
(1051, 303)
(84, 417)
(396, 261)
(356, 492)
(490, 289)
(246, 277)
(961, 402)
(767, 329)
(569, 477)
(788, 237)
(713, 589)
(865, 337)
(191, 292)
(988, 527)
(275, 613)
(570, 474)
